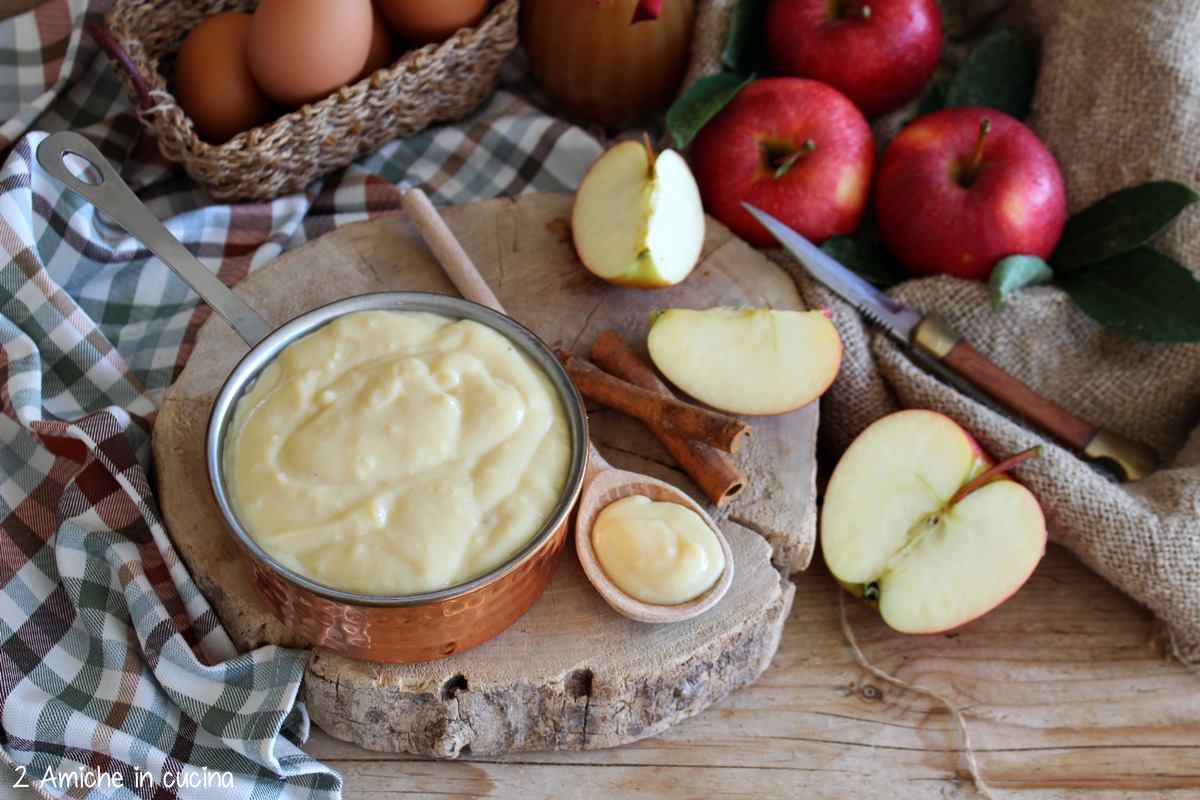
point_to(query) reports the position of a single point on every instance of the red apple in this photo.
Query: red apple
(962, 188)
(795, 148)
(879, 53)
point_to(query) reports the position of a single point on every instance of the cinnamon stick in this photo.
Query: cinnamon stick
(676, 416)
(712, 470)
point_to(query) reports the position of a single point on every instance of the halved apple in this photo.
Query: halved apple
(917, 519)
(638, 220)
(747, 360)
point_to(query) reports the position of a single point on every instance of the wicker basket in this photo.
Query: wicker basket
(436, 83)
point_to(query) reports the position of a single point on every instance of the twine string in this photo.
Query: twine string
(967, 749)
(163, 102)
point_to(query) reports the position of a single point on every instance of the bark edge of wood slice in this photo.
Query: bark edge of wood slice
(572, 673)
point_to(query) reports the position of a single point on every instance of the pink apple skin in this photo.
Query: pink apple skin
(934, 224)
(880, 61)
(823, 193)
(976, 447)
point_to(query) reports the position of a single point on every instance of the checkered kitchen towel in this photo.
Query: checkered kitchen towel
(111, 661)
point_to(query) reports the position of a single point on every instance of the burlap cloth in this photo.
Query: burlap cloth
(1118, 103)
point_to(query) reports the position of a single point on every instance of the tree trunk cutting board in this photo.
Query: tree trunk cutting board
(572, 673)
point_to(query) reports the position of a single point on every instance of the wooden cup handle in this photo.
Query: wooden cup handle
(1131, 459)
(450, 254)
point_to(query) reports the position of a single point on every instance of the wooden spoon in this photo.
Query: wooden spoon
(602, 484)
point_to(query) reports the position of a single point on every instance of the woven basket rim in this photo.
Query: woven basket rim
(167, 111)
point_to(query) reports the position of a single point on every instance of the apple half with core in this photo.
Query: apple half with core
(918, 520)
(638, 219)
(747, 360)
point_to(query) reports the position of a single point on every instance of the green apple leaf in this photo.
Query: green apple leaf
(934, 97)
(1142, 294)
(700, 103)
(1015, 272)
(1120, 222)
(999, 73)
(865, 257)
(745, 49)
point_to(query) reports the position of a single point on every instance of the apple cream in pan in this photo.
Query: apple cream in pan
(396, 453)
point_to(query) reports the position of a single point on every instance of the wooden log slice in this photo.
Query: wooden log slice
(572, 673)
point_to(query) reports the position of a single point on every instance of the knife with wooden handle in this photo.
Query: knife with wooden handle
(934, 339)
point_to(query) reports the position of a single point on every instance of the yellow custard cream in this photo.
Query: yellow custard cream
(660, 553)
(394, 453)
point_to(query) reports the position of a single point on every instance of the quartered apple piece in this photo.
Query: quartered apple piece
(747, 361)
(917, 519)
(638, 220)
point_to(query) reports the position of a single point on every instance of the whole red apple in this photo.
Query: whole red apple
(879, 53)
(962, 188)
(795, 148)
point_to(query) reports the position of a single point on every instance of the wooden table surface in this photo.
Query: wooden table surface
(1066, 689)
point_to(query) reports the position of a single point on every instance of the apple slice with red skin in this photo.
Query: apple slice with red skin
(918, 519)
(962, 188)
(795, 148)
(879, 53)
(747, 360)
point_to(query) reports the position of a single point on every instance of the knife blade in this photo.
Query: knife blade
(937, 344)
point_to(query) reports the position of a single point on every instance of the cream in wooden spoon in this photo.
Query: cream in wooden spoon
(655, 600)
(657, 552)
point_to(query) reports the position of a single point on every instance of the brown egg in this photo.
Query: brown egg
(301, 50)
(213, 83)
(423, 21)
(380, 53)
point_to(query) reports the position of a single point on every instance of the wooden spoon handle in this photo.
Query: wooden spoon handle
(454, 260)
(596, 464)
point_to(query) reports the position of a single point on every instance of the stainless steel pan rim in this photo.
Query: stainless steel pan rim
(266, 350)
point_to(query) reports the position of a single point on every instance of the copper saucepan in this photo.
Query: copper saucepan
(402, 628)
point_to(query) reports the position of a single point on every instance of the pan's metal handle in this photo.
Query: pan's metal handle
(113, 196)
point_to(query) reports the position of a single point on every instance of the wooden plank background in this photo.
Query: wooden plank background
(1067, 689)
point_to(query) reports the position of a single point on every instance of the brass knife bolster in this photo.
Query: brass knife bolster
(1132, 460)
(934, 337)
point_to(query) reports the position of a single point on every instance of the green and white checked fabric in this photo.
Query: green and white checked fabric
(110, 658)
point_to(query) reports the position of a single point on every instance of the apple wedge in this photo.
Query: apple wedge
(747, 360)
(919, 521)
(638, 220)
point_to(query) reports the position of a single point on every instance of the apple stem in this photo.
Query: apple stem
(804, 149)
(649, 155)
(646, 10)
(860, 10)
(996, 471)
(973, 166)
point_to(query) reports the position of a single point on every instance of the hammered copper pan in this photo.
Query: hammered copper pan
(402, 628)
